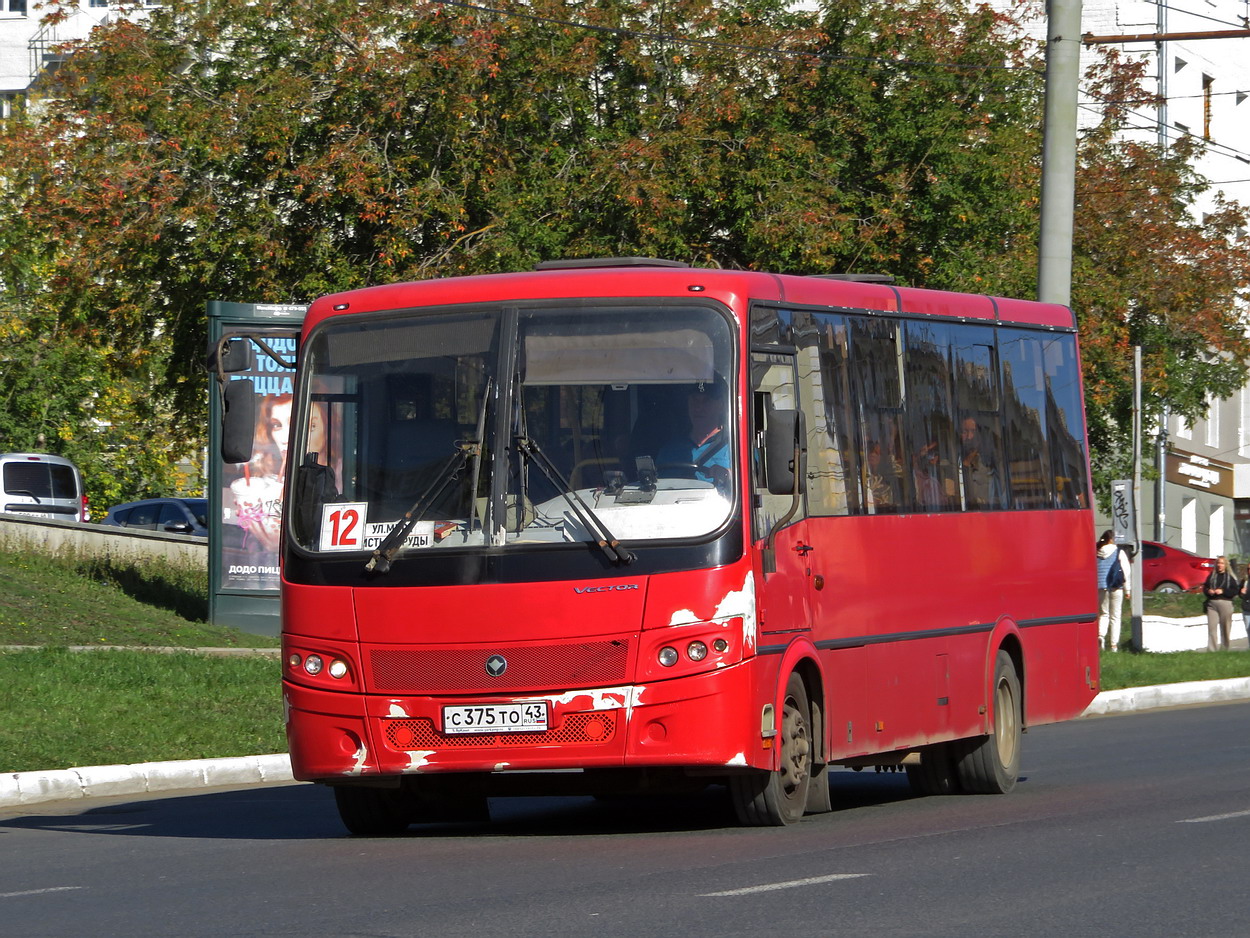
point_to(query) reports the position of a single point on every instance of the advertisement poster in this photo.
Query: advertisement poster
(251, 497)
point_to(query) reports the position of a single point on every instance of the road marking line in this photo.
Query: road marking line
(791, 884)
(1213, 817)
(37, 892)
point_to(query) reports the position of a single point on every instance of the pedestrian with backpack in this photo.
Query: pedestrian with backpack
(1221, 588)
(1114, 572)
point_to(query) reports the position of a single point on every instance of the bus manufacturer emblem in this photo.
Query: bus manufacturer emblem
(496, 665)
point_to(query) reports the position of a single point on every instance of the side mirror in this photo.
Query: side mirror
(230, 356)
(238, 420)
(783, 438)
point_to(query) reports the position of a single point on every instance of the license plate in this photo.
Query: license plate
(495, 718)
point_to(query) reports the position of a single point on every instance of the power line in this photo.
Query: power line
(1201, 16)
(733, 46)
(1170, 97)
(1221, 149)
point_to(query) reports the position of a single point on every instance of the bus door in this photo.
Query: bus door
(779, 519)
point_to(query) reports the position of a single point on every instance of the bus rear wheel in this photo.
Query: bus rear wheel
(777, 798)
(990, 765)
(936, 774)
(372, 812)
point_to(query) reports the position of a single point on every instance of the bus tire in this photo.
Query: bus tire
(936, 774)
(819, 797)
(990, 765)
(372, 812)
(776, 798)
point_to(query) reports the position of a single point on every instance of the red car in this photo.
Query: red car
(1172, 570)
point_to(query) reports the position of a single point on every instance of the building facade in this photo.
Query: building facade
(28, 44)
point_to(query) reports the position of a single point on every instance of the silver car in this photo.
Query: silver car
(39, 485)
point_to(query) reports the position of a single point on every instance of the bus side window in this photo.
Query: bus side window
(1063, 413)
(929, 430)
(981, 468)
(1024, 412)
(833, 459)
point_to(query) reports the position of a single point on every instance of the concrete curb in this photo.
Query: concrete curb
(26, 788)
(23, 788)
(1132, 699)
(160, 649)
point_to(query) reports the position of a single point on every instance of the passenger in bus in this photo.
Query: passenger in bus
(981, 487)
(882, 479)
(704, 449)
(933, 490)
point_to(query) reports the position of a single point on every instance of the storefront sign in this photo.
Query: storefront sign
(1200, 472)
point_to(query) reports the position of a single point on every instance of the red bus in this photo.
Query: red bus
(627, 525)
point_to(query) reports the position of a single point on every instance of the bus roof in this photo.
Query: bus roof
(640, 277)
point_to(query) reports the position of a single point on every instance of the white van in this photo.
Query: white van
(38, 485)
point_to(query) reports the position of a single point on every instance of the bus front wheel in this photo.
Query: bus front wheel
(776, 798)
(372, 812)
(990, 765)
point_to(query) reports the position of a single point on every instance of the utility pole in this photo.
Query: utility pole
(1063, 71)
(1136, 643)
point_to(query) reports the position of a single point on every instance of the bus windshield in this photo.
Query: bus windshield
(511, 426)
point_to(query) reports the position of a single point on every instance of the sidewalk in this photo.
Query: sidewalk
(191, 775)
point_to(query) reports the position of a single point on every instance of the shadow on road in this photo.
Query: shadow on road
(307, 812)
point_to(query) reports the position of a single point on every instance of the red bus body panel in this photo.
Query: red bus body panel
(870, 609)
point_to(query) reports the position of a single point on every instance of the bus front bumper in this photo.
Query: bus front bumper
(702, 721)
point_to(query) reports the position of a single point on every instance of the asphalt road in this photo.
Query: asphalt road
(1133, 825)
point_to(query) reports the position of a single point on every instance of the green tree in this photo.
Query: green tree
(267, 151)
(1150, 271)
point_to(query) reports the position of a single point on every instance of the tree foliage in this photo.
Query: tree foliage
(266, 151)
(1150, 272)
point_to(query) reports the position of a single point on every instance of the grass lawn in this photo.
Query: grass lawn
(85, 601)
(63, 708)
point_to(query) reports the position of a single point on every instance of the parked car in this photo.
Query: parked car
(1172, 570)
(170, 515)
(39, 485)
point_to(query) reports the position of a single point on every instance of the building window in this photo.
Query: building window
(1215, 539)
(16, 6)
(1184, 428)
(1213, 423)
(1189, 525)
(1243, 425)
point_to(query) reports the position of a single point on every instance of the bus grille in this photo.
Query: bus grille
(596, 727)
(530, 667)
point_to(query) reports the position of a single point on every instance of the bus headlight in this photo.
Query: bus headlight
(696, 651)
(338, 668)
(313, 664)
(668, 656)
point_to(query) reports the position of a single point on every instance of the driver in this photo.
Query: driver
(705, 449)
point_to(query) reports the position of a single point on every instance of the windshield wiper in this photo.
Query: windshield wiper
(449, 472)
(599, 533)
(380, 561)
